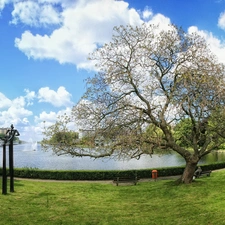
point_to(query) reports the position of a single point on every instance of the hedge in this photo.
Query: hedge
(104, 174)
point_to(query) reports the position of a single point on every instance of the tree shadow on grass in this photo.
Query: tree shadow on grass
(44, 194)
(173, 183)
(18, 183)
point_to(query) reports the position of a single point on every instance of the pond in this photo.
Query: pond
(25, 157)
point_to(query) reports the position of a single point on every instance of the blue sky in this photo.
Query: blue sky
(44, 45)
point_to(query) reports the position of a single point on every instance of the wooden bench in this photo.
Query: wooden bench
(207, 173)
(118, 180)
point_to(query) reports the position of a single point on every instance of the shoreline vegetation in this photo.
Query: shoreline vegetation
(34, 173)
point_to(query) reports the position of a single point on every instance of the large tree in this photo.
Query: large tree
(149, 80)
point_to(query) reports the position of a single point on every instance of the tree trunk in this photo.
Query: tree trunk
(189, 170)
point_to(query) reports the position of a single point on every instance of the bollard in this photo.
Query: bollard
(154, 174)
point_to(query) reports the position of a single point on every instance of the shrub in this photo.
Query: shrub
(35, 173)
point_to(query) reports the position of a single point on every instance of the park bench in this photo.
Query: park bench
(202, 173)
(118, 180)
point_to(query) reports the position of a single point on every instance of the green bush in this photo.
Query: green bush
(35, 173)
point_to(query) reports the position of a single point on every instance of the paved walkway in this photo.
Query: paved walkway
(97, 181)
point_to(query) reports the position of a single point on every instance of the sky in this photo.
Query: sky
(44, 46)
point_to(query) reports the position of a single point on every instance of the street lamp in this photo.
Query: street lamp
(8, 138)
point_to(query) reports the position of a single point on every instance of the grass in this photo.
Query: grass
(161, 202)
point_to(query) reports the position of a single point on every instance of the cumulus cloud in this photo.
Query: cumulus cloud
(160, 20)
(30, 96)
(3, 3)
(85, 25)
(31, 133)
(44, 116)
(5, 102)
(81, 26)
(216, 45)
(15, 112)
(63, 3)
(221, 21)
(51, 117)
(18, 112)
(58, 98)
(47, 119)
(147, 13)
(35, 14)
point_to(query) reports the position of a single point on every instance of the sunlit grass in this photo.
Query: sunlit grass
(161, 202)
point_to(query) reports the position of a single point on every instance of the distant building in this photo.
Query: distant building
(3, 130)
(99, 140)
(85, 133)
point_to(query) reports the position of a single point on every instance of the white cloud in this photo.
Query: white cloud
(64, 3)
(5, 102)
(47, 119)
(85, 25)
(147, 13)
(58, 98)
(51, 117)
(16, 113)
(44, 116)
(34, 14)
(215, 44)
(221, 21)
(3, 3)
(30, 96)
(160, 20)
(50, 1)
(30, 133)
(19, 111)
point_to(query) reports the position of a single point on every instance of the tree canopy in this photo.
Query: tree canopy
(148, 81)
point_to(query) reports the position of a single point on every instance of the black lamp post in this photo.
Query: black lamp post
(4, 175)
(9, 136)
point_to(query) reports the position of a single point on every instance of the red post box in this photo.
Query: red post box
(154, 174)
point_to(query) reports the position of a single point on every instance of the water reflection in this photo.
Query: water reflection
(25, 156)
(218, 156)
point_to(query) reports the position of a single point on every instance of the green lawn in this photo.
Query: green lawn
(161, 202)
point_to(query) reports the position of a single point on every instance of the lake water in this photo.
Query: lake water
(24, 156)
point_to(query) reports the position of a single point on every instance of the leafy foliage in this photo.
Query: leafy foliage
(64, 137)
(183, 133)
